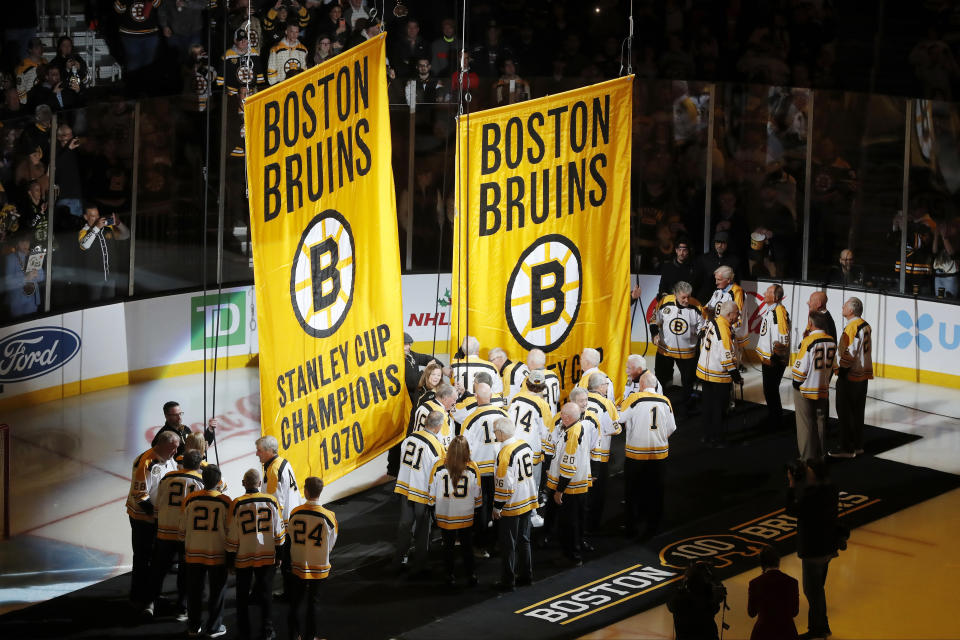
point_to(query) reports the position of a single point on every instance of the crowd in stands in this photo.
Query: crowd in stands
(515, 51)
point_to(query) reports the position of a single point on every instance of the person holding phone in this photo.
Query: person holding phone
(96, 240)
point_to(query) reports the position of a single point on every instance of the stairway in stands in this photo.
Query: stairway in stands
(66, 17)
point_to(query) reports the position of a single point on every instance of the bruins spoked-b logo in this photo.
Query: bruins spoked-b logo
(322, 277)
(544, 293)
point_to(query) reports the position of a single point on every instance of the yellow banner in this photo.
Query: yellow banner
(326, 264)
(542, 247)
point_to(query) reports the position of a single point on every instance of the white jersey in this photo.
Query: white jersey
(203, 527)
(420, 420)
(585, 380)
(554, 431)
(649, 421)
(255, 531)
(855, 350)
(463, 409)
(515, 492)
(280, 482)
(418, 453)
(478, 430)
(571, 464)
(313, 532)
(678, 327)
(531, 415)
(454, 503)
(717, 353)
(814, 365)
(774, 334)
(465, 369)
(513, 374)
(552, 391)
(732, 292)
(633, 386)
(173, 489)
(609, 425)
(283, 59)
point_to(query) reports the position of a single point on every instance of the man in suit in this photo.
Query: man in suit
(773, 599)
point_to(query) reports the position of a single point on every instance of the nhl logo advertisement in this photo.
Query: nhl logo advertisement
(326, 264)
(541, 248)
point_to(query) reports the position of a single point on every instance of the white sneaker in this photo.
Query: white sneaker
(148, 610)
(221, 631)
(536, 520)
(182, 616)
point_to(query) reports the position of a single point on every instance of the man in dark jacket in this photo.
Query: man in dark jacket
(173, 416)
(814, 504)
(682, 267)
(773, 598)
(709, 262)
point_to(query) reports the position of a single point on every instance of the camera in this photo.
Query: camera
(797, 470)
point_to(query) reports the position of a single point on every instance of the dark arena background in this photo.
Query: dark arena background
(807, 143)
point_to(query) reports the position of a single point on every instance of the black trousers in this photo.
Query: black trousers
(571, 524)
(714, 400)
(164, 553)
(516, 561)
(598, 494)
(482, 534)
(772, 375)
(304, 607)
(143, 534)
(414, 524)
(261, 579)
(643, 495)
(217, 576)
(851, 400)
(450, 537)
(663, 369)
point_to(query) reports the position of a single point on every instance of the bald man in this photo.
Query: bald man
(846, 273)
(818, 304)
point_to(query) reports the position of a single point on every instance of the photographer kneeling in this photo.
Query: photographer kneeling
(813, 500)
(695, 604)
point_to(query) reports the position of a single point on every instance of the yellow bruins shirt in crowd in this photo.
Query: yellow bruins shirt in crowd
(478, 430)
(255, 531)
(515, 492)
(717, 357)
(678, 327)
(313, 532)
(608, 420)
(570, 468)
(326, 262)
(531, 415)
(420, 419)
(542, 239)
(774, 334)
(732, 292)
(814, 365)
(203, 527)
(649, 422)
(144, 482)
(418, 453)
(174, 487)
(466, 369)
(855, 349)
(454, 502)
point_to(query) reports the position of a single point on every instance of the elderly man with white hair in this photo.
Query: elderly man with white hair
(468, 363)
(675, 331)
(728, 290)
(636, 367)
(514, 503)
(854, 368)
(608, 426)
(590, 364)
(569, 479)
(537, 361)
(649, 421)
(717, 370)
(511, 373)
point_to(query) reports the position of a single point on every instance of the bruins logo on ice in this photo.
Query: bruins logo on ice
(322, 277)
(544, 293)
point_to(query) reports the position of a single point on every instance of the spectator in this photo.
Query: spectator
(73, 69)
(28, 69)
(286, 56)
(696, 603)
(68, 172)
(53, 92)
(11, 107)
(322, 51)
(241, 65)
(200, 78)
(489, 56)
(182, 24)
(239, 18)
(354, 11)
(710, 262)
(510, 87)
(334, 26)
(731, 218)
(946, 260)
(471, 81)
(33, 168)
(98, 255)
(23, 284)
(139, 24)
(33, 212)
(847, 274)
(773, 598)
(920, 230)
(38, 135)
(367, 28)
(814, 501)
(408, 50)
(443, 50)
(284, 14)
(682, 267)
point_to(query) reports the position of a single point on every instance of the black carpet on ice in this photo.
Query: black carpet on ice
(721, 505)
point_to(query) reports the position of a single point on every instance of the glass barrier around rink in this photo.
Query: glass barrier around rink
(857, 189)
